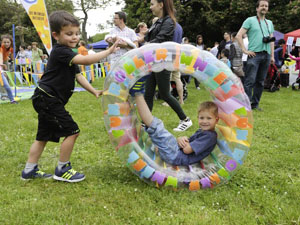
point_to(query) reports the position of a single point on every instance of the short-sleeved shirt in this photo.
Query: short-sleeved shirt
(59, 77)
(202, 143)
(126, 33)
(255, 34)
(36, 55)
(82, 50)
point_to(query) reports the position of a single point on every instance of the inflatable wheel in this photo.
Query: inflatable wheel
(235, 127)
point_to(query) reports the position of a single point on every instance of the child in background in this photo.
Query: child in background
(182, 151)
(6, 55)
(82, 49)
(225, 56)
(50, 97)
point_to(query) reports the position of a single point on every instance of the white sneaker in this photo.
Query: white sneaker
(198, 88)
(184, 125)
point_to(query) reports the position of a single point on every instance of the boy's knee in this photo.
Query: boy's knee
(75, 135)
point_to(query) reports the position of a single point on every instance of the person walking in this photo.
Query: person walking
(161, 31)
(260, 51)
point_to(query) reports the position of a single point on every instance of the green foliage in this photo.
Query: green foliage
(212, 18)
(264, 191)
(14, 13)
(98, 37)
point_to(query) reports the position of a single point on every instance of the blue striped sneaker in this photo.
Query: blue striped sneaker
(35, 173)
(139, 86)
(67, 174)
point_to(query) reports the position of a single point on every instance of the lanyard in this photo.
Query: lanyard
(261, 28)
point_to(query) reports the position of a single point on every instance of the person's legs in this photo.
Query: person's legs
(7, 88)
(166, 143)
(31, 169)
(175, 76)
(150, 90)
(250, 75)
(260, 78)
(66, 148)
(143, 110)
(163, 82)
(36, 151)
(196, 83)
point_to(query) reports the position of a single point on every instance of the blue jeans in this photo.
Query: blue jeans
(164, 140)
(256, 72)
(7, 88)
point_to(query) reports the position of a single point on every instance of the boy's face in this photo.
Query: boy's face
(207, 120)
(68, 36)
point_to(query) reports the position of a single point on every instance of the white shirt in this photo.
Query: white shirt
(125, 33)
(91, 51)
(214, 51)
(245, 56)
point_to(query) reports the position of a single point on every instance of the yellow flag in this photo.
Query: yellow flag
(36, 10)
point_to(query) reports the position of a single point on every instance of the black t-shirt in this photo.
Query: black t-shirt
(59, 77)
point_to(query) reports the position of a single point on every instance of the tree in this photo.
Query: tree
(212, 18)
(87, 5)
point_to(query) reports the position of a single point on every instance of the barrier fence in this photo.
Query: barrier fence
(29, 74)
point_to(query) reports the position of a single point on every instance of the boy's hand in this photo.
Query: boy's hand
(114, 47)
(188, 149)
(98, 93)
(182, 141)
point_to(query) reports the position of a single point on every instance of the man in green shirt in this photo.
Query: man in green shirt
(260, 51)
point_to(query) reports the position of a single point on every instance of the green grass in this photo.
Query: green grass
(264, 191)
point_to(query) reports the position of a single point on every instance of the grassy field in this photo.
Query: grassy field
(264, 191)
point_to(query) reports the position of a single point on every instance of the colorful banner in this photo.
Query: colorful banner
(36, 10)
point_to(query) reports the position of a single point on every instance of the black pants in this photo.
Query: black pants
(162, 79)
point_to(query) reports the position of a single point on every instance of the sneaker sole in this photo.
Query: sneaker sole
(184, 129)
(45, 178)
(66, 180)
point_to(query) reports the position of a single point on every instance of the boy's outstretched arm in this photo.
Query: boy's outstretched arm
(87, 86)
(94, 58)
(143, 110)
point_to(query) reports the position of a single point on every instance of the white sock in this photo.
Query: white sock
(29, 167)
(61, 164)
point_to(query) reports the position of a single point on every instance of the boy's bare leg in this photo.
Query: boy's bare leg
(67, 148)
(36, 151)
(179, 88)
(143, 110)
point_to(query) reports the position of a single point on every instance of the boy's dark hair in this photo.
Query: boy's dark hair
(233, 34)
(258, 2)
(225, 51)
(209, 106)
(60, 19)
(122, 16)
(82, 43)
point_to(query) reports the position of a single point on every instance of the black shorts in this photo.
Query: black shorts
(53, 119)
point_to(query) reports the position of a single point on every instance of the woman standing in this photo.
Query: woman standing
(163, 30)
(141, 30)
(6, 55)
